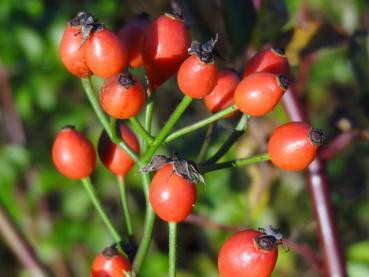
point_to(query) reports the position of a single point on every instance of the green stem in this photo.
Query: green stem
(149, 112)
(234, 136)
(149, 215)
(167, 128)
(172, 248)
(101, 116)
(86, 82)
(206, 142)
(148, 118)
(91, 192)
(200, 124)
(239, 162)
(140, 130)
(148, 227)
(123, 198)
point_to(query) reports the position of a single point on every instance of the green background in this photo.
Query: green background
(55, 214)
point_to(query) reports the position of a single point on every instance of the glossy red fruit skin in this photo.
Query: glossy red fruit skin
(164, 47)
(115, 159)
(131, 35)
(73, 53)
(268, 60)
(258, 93)
(240, 257)
(171, 196)
(196, 78)
(121, 101)
(290, 147)
(106, 54)
(222, 96)
(115, 266)
(73, 155)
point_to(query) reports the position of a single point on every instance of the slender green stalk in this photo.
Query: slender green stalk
(149, 112)
(91, 192)
(86, 82)
(206, 142)
(113, 123)
(167, 128)
(148, 227)
(140, 130)
(234, 136)
(148, 118)
(149, 213)
(101, 116)
(172, 248)
(200, 124)
(234, 163)
(123, 199)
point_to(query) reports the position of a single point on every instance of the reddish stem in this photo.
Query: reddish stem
(13, 124)
(319, 194)
(341, 142)
(20, 246)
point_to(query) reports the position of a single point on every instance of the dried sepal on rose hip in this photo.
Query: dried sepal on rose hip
(269, 239)
(250, 253)
(294, 145)
(198, 74)
(185, 168)
(110, 262)
(122, 96)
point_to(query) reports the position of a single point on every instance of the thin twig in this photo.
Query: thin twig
(12, 121)
(21, 248)
(205, 145)
(234, 136)
(234, 163)
(200, 124)
(319, 194)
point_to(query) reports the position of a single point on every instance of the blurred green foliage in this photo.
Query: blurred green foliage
(55, 214)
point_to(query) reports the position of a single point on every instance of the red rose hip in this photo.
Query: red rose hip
(198, 74)
(106, 54)
(222, 96)
(164, 47)
(171, 195)
(122, 96)
(258, 93)
(272, 60)
(248, 253)
(72, 49)
(73, 154)
(115, 158)
(294, 145)
(110, 263)
(131, 34)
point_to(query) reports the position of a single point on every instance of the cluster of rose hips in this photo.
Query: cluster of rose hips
(163, 47)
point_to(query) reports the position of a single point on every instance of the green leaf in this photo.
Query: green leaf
(31, 43)
(359, 252)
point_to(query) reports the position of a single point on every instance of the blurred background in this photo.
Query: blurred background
(327, 43)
